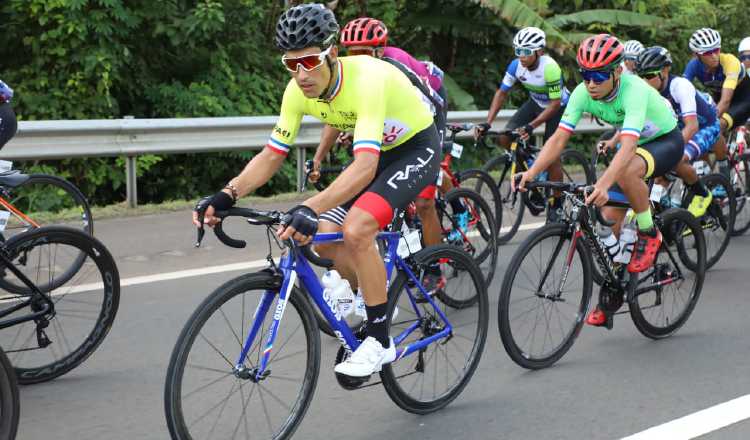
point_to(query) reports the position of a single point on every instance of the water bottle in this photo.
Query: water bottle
(339, 292)
(628, 236)
(609, 240)
(359, 305)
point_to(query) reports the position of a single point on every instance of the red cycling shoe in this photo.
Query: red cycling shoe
(645, 251)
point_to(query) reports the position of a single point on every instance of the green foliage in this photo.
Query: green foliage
(89, 59)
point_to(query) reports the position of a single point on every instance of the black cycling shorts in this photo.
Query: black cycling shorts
(739, 110)
(661, 156)
(402, 174)
(529, 111)
(8, 124)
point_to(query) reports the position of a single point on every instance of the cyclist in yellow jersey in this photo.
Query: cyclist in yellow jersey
(394, 158)
(725, 78)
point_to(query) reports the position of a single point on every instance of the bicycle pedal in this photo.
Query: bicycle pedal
(350, 383)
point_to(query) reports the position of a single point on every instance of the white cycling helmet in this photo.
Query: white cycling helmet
(744, 45)
(633, 48)
(704, 40)
(531, 38)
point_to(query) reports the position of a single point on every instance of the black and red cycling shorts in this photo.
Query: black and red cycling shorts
(403, 173)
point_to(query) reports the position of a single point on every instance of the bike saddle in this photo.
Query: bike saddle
(12, 178)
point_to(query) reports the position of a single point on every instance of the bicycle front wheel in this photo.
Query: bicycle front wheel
(204, 398)
(431, 378)
(9, 399)
(544, 297)
(85, 305)
(45, 200)
(662, 298)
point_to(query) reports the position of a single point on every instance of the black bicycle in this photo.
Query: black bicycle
(51, 321)
(9, 399)
(516, 159)
(547, 287)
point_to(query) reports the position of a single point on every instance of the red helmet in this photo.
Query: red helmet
(364, 31)
(600, 52)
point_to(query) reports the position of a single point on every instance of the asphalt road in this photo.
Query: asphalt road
(611, 384)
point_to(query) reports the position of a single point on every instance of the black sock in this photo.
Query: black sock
(458, 207)
(699, 189)
(376, 323)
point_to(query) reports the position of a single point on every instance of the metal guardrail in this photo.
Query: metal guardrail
(130, 138)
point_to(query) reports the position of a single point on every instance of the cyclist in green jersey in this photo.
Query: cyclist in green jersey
(394, 158)
(651, 143)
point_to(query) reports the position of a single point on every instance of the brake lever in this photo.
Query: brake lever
(201, 229)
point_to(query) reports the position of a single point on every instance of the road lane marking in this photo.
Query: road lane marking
(699, 423)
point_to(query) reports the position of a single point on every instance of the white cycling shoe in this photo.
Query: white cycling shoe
(368, 358)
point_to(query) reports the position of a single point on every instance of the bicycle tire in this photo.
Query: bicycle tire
(715, 215)
(9, 399)
(577, 159)
(741, 185)
(481, 182)
(481, 222)
(388, 375)
(523, 356)
(261, 281)
(24, 198)
(671, 231)
(104, 265)
(513, 205)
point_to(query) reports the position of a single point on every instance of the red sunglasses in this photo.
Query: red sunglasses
(308, 62)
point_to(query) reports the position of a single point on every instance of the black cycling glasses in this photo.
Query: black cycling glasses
(650, 75)
(598, 76)
(745, 57)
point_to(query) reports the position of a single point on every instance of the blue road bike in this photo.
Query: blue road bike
(247, 361)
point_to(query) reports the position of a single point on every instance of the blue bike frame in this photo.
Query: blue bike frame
(293, 265)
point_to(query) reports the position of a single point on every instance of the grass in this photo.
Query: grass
(119, 210)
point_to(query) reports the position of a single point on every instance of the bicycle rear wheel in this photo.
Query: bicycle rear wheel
(540, 316)
(481, 182)
(661, 299)
(472, 228)
(718, 221)
(513, 206)
(430, 379)
(9, 399)
(85, 305)
(740, 177)
(204, 398)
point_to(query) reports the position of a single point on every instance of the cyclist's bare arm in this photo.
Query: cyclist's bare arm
(551, 151)
(726, 99)
(497, 103)
(348, 184)
(544, 116)
(691, 127)
(327, 141)
(257, 172)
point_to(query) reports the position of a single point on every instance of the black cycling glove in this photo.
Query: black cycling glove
(529, 129)
(221, 201)
(483, 127)
(303, 219)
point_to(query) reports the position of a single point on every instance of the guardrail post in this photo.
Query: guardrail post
(301, 155)
(539, 140)
(131, 184)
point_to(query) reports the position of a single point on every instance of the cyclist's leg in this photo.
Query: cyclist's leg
(332, 221)
(393, 188)
(657, 158)
(425, 203)
(698, 145)
(737, 113)
(8, 124)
